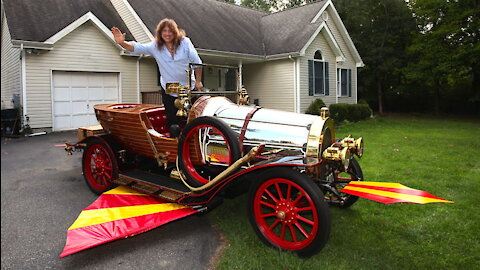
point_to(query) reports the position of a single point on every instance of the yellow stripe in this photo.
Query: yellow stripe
(407, 197)
(380, 184)
(98, 216)
(124, 191)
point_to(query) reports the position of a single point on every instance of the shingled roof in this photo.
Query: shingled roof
(38, 20)
(212, 25)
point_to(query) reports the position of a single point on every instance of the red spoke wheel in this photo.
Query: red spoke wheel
(216, 141)
(99, 166)
(287, 211)
(353, 173)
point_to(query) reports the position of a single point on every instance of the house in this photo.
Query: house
(59, 57)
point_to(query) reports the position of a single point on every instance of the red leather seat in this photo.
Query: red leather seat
(158, 119)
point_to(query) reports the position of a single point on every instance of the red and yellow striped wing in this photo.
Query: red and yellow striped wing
(390, 193)
(120, 213)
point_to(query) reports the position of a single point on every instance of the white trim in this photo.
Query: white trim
(297, 63)
(356, 84)
(324, 73)
(240, 74)
(242, 56)
(336, 83)
(340, 57)
(282, 56)
(314, 20)
(24, 84)
(294, 83)
(138, 78)
(344, 32)
(139, 21)
(52, 114)
(89, 16)
(31, 45)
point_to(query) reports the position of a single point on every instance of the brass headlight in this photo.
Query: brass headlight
(355, 146)
(334, 153)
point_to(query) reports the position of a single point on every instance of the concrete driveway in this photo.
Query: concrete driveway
(43, 192)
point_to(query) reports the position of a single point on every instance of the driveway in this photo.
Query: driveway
(43, 192)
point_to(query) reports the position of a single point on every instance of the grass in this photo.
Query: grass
(435, 155)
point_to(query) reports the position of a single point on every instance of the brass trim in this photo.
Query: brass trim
(315, 138)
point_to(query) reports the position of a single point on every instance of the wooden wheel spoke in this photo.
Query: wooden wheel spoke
(302, 230)
(269, 215)
(282, 232)
(304, 209)
(298, 199)
(308, 221)
(292, 232)
(274, 225)
(271, 196)
(108, 175)
(267, 204)
(279, 191)
(289, 191)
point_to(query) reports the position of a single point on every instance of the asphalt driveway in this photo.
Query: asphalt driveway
(43, 192)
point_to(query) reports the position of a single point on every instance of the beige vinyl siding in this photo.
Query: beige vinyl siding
(11, 68)
(130, 21)
(84, 49)
(272, 82)
(349, 62)
(319, 43)
(148, 75)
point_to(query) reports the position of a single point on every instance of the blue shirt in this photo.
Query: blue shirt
(172, 69)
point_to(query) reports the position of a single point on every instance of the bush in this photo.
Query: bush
(315, 106)
(349, 112)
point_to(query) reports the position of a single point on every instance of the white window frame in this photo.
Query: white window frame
(339, 82)
(324, 74)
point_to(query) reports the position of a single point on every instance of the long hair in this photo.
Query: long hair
(178, 34)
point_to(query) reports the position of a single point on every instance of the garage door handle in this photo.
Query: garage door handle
(88, 106)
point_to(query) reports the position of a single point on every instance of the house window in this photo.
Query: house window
(318, 75)
(344, 82)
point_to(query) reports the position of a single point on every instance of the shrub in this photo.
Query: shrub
(349, 112)
(315, 106)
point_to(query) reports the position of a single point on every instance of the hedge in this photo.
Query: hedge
(350, 112)
(315, 106)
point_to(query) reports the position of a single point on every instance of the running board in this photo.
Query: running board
(155, 184)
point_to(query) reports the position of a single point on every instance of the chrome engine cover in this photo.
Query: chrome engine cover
(300, 135)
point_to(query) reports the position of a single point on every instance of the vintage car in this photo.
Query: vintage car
(290, 163)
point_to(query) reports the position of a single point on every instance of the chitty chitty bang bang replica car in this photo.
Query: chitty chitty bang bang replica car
(291, 164)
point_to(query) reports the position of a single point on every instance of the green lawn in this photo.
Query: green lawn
(435, 155)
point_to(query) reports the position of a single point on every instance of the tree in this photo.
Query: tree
(445, 49)
(381, 32)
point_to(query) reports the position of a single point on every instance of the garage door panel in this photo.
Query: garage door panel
(62, 108)
(79, 94)
(110, 93)
(61, 94)
(61, 79)
(63, 122)
(79, 79)
(79, 120)
(111, 81)
(79, 107)
(96, 80)
(95, 93)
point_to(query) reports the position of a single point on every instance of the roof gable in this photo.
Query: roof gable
(33, 20)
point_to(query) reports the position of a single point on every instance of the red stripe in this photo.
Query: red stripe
(374, 197)
(87, 237)
(414, 192)
(118, 200)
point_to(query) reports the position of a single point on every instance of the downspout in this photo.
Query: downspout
(24, 84)
(295, 90)
(138, 77)
(240, 75)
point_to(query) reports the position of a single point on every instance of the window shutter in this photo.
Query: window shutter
(349, 84)
(310, 77)
(327, 83)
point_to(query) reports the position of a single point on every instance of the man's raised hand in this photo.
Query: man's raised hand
(118, 35)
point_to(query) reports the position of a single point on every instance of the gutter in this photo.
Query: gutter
(296, 93)
(23, 75)
(138, 78)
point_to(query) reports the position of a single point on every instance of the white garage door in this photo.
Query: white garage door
(75, 93)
